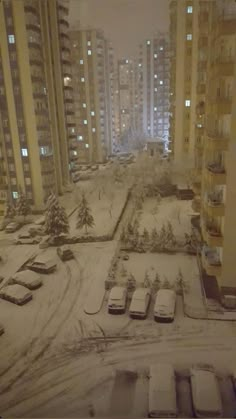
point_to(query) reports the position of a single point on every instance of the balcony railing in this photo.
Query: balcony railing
(217, 141)
(212, 235)
(215, 174)
(211, 261)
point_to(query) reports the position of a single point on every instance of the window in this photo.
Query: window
(89, 52)
(93, 129)
(11, 39)
(85, 122)
(15, 195)
(81, 61)
(74, 153)
(43, 151)
(155, 90)
(161, 48)
(86, 145)
(140, 65)
(28, 181)
(127, 61)
(92, 113)
(13, 181)
(155, 55)
(187, 103)
(24, 152)
(82, 79)
(5, 122)
(12, 167)
(190, 9)
(84, 105)
(148, 42)
(123, 125)
(89, 43)
(80, 137)
(155, 76)
(26, 167)
(155, 109)
(161, 82)
(189, 37)
(20, 122)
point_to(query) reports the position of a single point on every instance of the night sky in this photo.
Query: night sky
(126, 23)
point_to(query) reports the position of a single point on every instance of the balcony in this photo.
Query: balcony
(211, 261)
(224, 66)
(227, 26)
(201, 88)
(215, 207)
(223, 105)
(196, 204)
(215, 174)
(212, 236)
(217, 141)
(196, 187)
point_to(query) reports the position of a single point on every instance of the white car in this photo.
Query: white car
(42, 266)
(164, 308)
(28, 279)
(26, 238)
(117, 300)
(140, 303)
(12, 227)
(16, 294)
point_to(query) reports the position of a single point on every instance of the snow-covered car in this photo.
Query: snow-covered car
(40, 221)
(140, 303)
(4, 224)
(94, 167)
(12, 227)
(26, 238)
(65, 253)
(206, 396)
(117, 300)
(164, 308)
(36, 231)
(16, 294)
(27, 278)
(42, 266)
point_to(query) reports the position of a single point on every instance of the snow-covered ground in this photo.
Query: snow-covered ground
(155, 214)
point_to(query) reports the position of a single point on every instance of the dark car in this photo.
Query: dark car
(44, 266)
(65, 253)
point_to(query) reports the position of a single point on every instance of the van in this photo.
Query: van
(205, 392)
(162, 392)
(164, 308)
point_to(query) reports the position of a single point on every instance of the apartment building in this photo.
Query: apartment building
(93, 75)
(37, 127)
(218, 193)
(154, 63)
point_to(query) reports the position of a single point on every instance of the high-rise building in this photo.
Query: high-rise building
(37, 127)
(218, 194)
(154, 65)
(93, 73)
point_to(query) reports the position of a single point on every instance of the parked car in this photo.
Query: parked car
(94, 167)
(12, 227)
(16, 294)
(36, 231)
(26, 238)
(3, 224)
(65, 253)
(206, 396)
(42, 266)
(140, 303)
(44, 244)
(40, 221)
(164, 308)
(117, 300)
(162, 400)
(27, 278)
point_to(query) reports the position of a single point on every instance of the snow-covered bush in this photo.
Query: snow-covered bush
(146, 282)
(131, 282)
(22, 205)
(10, 211)
(156, 283)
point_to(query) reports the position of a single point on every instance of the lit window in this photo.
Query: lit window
(89, 52)
(89, 43)
(84, 105)
(74, 152)
(72, 130)
(85, 122)
(187, 103)
(82, 79)
(81, 61)
(43, 151)
(123, 125)
(189, 37)
(93, 129)
(161, 82)
(92, 113)
(45, 90)
(155, 90)
(15, 195)
(148, 42)
(155, 76)
(123, 111)
(11, 39)
(149, 128)
(86, 145)
(140, 65)
(155, 55)
(127, 61)
(155, 109)
(161, 48)
(24, 152)
(80, 137)
(190, 9)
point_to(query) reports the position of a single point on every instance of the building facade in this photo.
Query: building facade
(37, 127)
(93, 75)
(154, 65)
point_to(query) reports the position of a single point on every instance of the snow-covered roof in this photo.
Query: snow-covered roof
(16, 291)
(205, 390)
(27, 274)
(117, 293)
(140, 293)
(165, 297)
(162, 391)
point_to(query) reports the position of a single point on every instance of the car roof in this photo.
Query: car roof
(117, 292)
(207, 392)
(140, 293)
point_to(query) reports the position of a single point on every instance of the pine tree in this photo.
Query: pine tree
(85, 218)
(56, 220)
(154, 238)
(166, 284)
(180, 283)
(156, 283)
(162, 237)
(22, 205)
(131, 282)
(170, 237)
(146, 282)
(10, 210)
